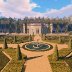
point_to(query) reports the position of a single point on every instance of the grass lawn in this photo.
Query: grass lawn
(3, 60)
(52, 41)
(11, 38)
(14, 65)
(63, 65)
(55, 39)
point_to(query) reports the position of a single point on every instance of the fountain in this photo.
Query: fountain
(37, 46)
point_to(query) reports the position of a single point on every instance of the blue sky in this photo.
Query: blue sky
(35, 8)
(50, 4)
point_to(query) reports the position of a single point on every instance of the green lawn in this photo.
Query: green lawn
(10, 38)
(61, 66)
(55, 39)
(3, 60)
(14, 65)
(52, 41)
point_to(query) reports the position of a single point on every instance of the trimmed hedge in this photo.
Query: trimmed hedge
(60, 65)
(55, 54)
(14, 38)
(15, 65)
(3, 60)
(19, 54)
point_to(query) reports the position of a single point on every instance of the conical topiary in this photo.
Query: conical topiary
(70, 44)
(23, 68)
(44, 37)
(55, 54)
(30, 38)
(5, 44)
(19, 54)
(14, 39)
(60, 40)
(33, 36)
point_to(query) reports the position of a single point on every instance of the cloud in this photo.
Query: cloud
(64, 11)
(22, 8)
(18, 8)
(24, 5)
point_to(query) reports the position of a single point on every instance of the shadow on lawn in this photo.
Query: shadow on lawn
(61, 58)
(30, 58)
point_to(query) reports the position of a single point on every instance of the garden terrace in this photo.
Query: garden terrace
(62, 65)
(14, 65)
(3, 60)
(55, 38)
(14, 38)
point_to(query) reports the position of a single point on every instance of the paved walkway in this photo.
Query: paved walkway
(39, 64)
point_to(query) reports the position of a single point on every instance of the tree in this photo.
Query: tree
(18, 26)
(10, 25)
(66, 28)
(70, 44)
(19, 54)
(66, 24)
(57, 28)
(5, 44)
(26, 21)
(49, 29)
(55, 54)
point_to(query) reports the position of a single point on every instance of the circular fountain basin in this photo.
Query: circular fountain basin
(36, 46)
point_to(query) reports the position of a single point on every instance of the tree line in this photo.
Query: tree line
(18, 23)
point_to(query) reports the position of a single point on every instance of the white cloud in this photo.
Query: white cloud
(18, 8)
(64, 11)
(22, 8)
(24, 5)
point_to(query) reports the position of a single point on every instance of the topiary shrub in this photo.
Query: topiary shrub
(30, 38)
(23, 68)
(55, 54)
(14, 39)
(5, 46)
(44, 37)
(70, 44)
(25, 57)
(33, 36)
(19, 54)
(60, 40)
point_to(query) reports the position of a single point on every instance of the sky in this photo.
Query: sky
(35, 8)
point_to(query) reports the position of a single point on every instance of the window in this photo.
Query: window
(37, 31)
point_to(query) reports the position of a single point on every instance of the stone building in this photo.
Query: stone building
(36, 28)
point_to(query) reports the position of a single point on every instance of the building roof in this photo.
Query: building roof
(34, 24)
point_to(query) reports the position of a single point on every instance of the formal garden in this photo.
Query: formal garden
(3, 57)
(12, 39)
(60, 60)
(16, 63)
